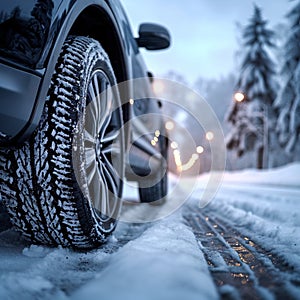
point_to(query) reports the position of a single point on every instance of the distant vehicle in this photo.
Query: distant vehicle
(64, 149)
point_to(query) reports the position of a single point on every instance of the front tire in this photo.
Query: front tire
(66, 181)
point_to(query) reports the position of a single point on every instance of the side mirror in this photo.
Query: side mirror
(153, 37)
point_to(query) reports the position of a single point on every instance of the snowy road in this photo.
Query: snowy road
(250, 234)
(239, 266)
(243, 245)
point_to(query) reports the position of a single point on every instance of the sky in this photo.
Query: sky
(204, 32)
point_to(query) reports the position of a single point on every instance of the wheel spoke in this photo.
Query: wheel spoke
(92, 91)
(110, 137)
(96, 87)
(111, 174)
(89, 121)
(105, 208)
(97, 102)
(92, 113)
(91, 173)
(103, 103)
(89, 137)
(96, 190)
(113, 150)
(90, 156)
(106, 108)
(113, 193)
(113, 180)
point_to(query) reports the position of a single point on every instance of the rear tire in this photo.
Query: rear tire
(65, 183)
(157, 194)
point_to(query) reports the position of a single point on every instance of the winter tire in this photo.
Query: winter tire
(65, 183)
(157, 194)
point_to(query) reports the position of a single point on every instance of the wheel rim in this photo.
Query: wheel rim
(103, 147)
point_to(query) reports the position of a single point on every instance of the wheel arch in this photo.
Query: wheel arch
(91, 20)
(97, 23)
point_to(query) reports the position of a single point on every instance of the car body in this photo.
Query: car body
(32, 36)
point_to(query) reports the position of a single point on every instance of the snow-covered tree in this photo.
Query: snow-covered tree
(253, 118)
(288, 100)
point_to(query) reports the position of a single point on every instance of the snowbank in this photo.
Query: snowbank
(164, 263)
(288, 175)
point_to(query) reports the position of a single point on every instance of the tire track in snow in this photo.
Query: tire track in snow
(241, 269)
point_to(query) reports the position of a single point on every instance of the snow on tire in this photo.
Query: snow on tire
(80, 135)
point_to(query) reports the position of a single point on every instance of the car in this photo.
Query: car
(75, 95)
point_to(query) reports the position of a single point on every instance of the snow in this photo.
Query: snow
(162, 259)
(164, 263)
(264, 205)
(288, 175)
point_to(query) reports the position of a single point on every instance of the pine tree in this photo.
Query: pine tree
(253, 118)
(288, 100)
(16, 13)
